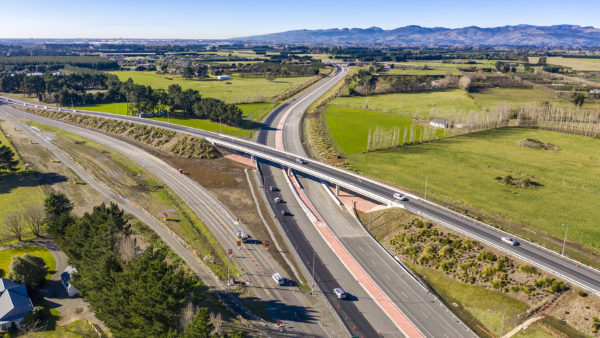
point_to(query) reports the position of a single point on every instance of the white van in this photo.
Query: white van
(278, 279)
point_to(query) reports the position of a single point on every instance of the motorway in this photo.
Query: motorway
(567, 269)
(329, 272)
(283, 130)
(281, 302)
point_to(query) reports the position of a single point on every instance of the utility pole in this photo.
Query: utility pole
(426, 176)
(369, 226)
(313, 272)
(219, 124)
(565, 240)
(503, 314)
(229, 252)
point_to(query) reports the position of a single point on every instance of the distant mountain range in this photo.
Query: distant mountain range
(520, 35)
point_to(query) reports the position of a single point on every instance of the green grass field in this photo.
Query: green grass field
(113, 108)
(350, 126)
(462, 170)
(235, 90)
(75, 329)
(583, 64)
(7, 255)
(17, 189)
(437, 68)
(252, 112)
(256, 111)
(475, 300)
(489, 98)
(411, 104)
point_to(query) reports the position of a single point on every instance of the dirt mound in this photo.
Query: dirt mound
(537, 144)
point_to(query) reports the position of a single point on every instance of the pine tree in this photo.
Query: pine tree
(201, 327)
(7, 159)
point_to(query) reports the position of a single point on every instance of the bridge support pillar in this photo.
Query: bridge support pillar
(337, 190)
(289, 171)
(252, 159)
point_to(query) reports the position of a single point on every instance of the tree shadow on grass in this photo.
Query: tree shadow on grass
(10, 181)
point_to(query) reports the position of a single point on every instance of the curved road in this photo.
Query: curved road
(565, 268)
(281, 302)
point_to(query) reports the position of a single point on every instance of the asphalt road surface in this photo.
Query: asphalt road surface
(542, 258)
(281, 302)
(424, 310)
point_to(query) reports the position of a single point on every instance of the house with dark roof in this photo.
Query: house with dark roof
(14, 303)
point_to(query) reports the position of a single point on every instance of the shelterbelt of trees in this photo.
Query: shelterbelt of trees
(72, 90)
(42, 63)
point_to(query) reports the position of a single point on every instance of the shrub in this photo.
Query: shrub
(557, 286)
(446, 266)
(528, 269)
(497, 283)
(486, 255)
(580, 293)
(445, 251)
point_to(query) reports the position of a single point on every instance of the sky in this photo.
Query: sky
(199, 19)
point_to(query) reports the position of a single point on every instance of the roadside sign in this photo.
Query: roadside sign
(266, 245)
(239, 244)
(229, 251)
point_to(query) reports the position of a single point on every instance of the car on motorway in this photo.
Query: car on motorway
(401, 197)
(278, 278)
(272, 188)
(285, 213)
(510, 241)
(340, 293)
(300, 161)
(278, 200)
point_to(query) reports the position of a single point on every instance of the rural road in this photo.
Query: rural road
(281, 302)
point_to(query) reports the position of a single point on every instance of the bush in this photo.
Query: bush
(528, 269)
(29, 270)
(557, 286)
(497, 283)
(580, 293)
(486, 255)
(445, 251)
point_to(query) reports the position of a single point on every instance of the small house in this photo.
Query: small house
(439, 123)
(223, 77)
(65, 279)
(14, 303)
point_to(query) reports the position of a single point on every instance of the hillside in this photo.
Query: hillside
(520, 35)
